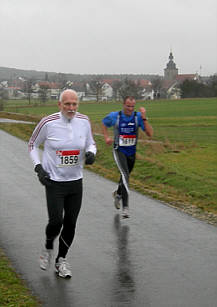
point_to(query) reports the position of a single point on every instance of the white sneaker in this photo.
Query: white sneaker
(125, 213)
(62, 268)
(117, 199)
(45, 258)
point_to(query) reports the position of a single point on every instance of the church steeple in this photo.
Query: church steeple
(171, 56)
(170, 72)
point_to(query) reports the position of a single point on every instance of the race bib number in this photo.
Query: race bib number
(67, 157)
(127, 140)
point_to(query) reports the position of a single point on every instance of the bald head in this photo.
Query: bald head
(68, 93)
(68, 103)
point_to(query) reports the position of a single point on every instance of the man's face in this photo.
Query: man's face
(128, 106)
(69, 105)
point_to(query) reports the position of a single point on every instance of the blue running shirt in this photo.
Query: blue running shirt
(125, 134)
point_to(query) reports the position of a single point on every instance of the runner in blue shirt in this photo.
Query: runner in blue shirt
(126, 124)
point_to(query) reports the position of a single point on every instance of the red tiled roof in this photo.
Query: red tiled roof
(14, 87)
(166, 84)
(110, 81)
(52, 85)
(184, 77)
(144, 83)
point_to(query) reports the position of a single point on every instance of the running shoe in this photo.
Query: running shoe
(62, 268)
(117, 199)
(45, 258)
(125, 213)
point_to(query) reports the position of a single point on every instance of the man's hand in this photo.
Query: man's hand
(43, 176)
(89, 157)
(148, 127)
(109, 141)
(143, 112)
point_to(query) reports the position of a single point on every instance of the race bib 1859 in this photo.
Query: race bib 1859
(67, 157)
(127, 140)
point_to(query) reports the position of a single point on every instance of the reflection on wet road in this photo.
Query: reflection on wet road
(159, 257)
(124, 284)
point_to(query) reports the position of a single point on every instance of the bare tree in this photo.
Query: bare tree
(46, 77)
(43, 92)
(116, 85)
(28, 89)
(130, 88)
(3, 97)
(157, 86)
(61, 78)
(96, 88)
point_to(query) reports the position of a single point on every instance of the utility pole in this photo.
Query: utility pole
(200, 70)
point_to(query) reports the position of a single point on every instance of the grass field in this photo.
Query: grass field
(13, 291)
(178, 166)
(186, 120)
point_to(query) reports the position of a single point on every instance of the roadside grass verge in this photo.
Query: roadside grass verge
(13, 290)
(172, 174)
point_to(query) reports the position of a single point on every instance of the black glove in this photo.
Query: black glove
(43, 176)
(89, 157)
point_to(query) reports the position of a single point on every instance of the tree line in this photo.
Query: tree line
(194, 88)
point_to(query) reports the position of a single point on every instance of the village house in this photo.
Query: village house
(107, 89)
(147, 90)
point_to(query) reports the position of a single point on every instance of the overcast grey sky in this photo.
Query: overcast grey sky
(109, 36)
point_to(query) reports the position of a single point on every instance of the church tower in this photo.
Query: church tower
(170, 72)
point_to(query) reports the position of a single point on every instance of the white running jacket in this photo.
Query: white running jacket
(65, 143)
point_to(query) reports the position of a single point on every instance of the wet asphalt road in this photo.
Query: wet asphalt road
(7, 120)
(160, 257)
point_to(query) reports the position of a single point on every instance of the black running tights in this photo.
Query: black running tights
(63, 205)
(125, 165)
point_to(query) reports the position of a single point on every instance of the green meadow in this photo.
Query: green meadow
(13, 291)
(178, 165)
